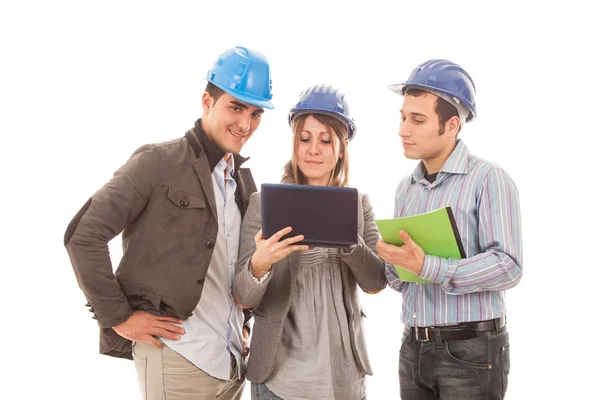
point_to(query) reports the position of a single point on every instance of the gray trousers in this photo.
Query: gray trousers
(260, 391)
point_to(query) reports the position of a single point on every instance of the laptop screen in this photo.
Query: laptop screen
(325, 215)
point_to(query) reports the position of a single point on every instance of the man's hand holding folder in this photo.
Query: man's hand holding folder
(407, 240)
(409, 256)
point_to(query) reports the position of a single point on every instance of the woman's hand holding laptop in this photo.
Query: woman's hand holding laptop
(271, 250)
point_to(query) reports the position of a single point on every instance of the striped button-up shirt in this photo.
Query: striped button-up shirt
(485, 204)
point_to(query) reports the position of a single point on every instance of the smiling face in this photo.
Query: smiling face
(420, 131)
(228, 122)
(317, 150)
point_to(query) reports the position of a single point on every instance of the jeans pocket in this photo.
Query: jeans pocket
(406, 341)
(473, 353)
(505, 365)
(141, 367)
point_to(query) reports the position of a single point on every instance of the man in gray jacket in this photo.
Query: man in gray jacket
(179, 205)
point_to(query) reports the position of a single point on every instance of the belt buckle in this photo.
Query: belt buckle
(419, 339)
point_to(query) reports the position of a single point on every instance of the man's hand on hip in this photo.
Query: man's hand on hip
(145, 327)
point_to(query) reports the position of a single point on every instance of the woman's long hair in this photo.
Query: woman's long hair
(340, 174)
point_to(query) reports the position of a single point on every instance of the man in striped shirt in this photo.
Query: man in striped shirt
(455, 343)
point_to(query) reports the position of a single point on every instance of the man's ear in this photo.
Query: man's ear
(207, 102)
(452, 126)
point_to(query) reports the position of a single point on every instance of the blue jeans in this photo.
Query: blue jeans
(471, 369)
(260, 391)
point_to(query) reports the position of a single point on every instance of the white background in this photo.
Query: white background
(83, 84)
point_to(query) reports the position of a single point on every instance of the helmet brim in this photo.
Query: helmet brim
(246, 98)
(348, 122)
(399, 89)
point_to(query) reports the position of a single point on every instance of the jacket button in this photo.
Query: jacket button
(210, 244)
(94, 317)
(184, 203)
(91, 309)
(189, 314)
(88, 304)
(200, 280)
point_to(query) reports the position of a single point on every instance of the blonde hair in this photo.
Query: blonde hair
(340, 173)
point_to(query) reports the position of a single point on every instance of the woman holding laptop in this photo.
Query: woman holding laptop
(307, 340)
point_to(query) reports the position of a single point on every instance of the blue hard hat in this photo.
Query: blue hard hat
(321, 99)
(245, 75)
(446, 77)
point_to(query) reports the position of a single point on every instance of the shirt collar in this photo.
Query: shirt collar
(226, 166)
(457, 163)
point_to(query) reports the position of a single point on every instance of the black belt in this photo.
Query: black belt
(467, 330)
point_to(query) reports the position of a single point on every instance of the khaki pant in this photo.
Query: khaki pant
(163, 374)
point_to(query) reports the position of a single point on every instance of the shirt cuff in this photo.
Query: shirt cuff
(259, 281)
(437, 269)
(393, 279)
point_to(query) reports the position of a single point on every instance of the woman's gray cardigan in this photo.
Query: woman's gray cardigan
(272, 300)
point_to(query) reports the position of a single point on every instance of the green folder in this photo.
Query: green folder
(434, 231)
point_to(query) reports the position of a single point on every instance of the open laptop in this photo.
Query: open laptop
(325, 215)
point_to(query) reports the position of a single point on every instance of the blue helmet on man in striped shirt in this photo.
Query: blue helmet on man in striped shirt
(447, 80)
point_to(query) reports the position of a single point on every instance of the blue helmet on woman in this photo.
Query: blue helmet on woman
(447, 79)
(322, 99)
(245, 75)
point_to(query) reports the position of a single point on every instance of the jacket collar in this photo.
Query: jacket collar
(213, 153)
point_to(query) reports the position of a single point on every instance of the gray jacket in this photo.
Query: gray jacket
(272, 301)
(163, 201)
